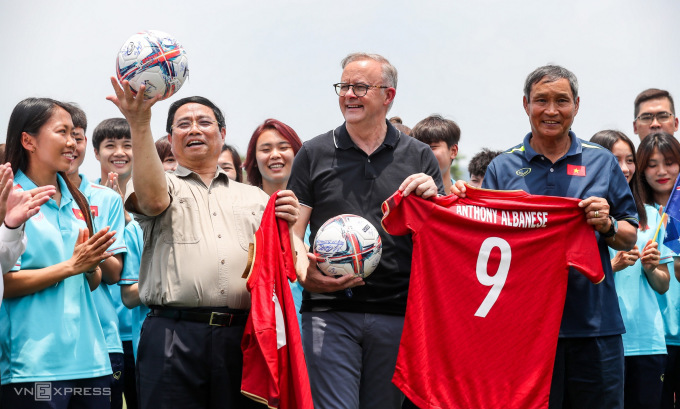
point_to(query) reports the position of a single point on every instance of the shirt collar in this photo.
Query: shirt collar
(181, 171)
(27, 184)
(84, 183)
(343, 141)
(530, 153)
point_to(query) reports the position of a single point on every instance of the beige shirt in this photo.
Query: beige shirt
(196, 251)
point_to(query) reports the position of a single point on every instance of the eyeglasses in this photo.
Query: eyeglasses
(662, 117)
(201, 124)
(359, 90)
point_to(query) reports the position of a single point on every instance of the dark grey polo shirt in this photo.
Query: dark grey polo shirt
(333, 176)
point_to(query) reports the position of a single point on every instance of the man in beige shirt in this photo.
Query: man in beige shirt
(197, 228)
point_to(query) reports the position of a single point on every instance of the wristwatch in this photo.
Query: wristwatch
(613, 228)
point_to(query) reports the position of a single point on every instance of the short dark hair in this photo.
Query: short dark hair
(652, 93)
(238, 165)
(193, 100)
(78, 116)
(436, 128)
(554, 73)
(163, 147)
(481, 160)
(112, 128)
(399, 124)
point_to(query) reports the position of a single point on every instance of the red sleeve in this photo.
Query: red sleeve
(405, 215)
(582, 250)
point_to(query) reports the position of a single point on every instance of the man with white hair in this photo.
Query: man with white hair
(351, 327)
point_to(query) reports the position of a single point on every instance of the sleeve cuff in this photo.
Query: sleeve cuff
(11, 235)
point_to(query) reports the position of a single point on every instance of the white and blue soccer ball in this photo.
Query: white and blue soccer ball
(155, 59)
(348, 244)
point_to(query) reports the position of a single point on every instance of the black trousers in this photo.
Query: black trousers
(129, 376)
(185, 364)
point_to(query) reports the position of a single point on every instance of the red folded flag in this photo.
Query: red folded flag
(274, 368)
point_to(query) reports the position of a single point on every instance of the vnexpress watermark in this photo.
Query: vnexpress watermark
(44, 391)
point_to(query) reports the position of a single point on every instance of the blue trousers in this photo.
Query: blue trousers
(184, 364)
(351, 359)
(588, 373)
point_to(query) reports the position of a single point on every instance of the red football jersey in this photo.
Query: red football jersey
(488, 283)
(274, 369)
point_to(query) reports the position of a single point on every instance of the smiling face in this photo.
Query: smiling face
(373, 106)
(551, 109)
(52, 149)
(274, 156)
(79, 154)
(115, 155)
(199, 146)
(661, 173)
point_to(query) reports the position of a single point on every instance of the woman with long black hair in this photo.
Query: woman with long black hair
(49, 329)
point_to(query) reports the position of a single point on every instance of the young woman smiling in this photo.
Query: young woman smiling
(49, 328)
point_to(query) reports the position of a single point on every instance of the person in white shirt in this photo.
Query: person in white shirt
(16, 206)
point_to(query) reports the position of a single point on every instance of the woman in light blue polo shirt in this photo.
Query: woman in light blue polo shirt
(640, 275)
(661, 153)
(53, 352)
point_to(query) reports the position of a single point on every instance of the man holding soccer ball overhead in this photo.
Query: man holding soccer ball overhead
(350, 326)
(195, 251)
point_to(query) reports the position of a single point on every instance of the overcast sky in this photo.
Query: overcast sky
(258, 59)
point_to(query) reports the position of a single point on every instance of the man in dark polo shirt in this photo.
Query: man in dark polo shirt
(351, 336)
(588, 372)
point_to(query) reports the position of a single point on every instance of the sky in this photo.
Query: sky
(273, 59)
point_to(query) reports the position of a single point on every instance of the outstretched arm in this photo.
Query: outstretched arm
(151, 190)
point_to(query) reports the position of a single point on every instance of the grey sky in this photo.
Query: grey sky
(261, 59)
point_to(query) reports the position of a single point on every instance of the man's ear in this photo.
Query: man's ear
(390, 93)
(526, 104)
(453, 151)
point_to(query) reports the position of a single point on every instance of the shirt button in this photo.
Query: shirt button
(542, 158)
(214, 213)
(221, 291)
(253, 213)
(369, 160)
(222, 261)
(219, 236)
(552, 170)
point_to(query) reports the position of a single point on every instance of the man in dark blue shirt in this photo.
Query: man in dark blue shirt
(552, 161)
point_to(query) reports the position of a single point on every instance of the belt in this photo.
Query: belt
(218, 319)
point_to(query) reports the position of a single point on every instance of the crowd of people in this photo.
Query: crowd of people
(129, 283)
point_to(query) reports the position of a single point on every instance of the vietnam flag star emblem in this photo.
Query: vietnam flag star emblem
(576, 170)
